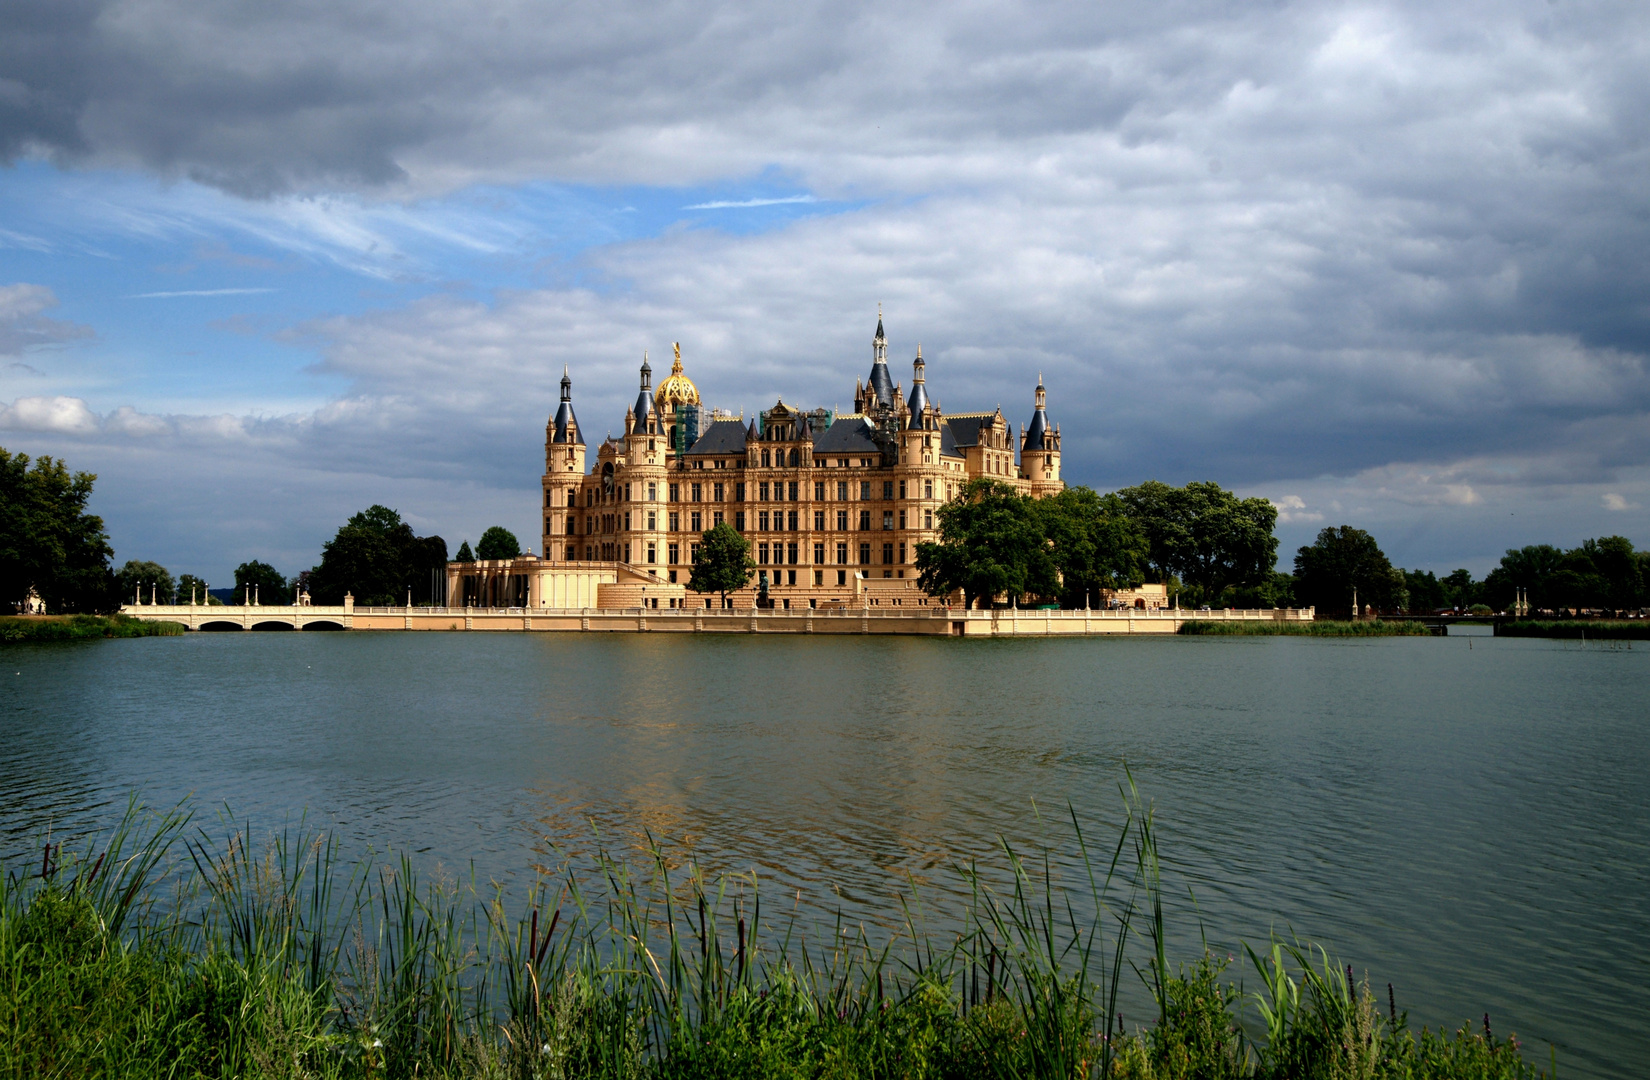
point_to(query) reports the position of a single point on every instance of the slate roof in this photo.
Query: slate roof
(722, 437)
(965, 428)
(565, 420)
(1036, 430)
(881, 383)
(849, 435)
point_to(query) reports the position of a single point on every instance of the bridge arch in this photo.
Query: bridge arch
(322, 624)
(271, 624)
(219, 626)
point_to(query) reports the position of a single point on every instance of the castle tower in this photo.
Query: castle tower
(563, 472)
(641, 485)
(1040, 449)
(879, 388)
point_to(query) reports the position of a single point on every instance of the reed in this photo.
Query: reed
(173, 948)
(26, 628)
(1316, 628)
(1583, 629)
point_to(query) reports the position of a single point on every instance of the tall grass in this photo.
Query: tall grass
(1290, 628)
(164, 949)
(18, 628)
(1598, 630)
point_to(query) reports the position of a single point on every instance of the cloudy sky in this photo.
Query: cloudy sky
(265, 263)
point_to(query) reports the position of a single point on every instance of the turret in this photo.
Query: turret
(563, 470)
(919, 393)
(1040, 448)
(640, 484)
(879, 388)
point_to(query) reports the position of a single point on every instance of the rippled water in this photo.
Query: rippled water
(1465, 819)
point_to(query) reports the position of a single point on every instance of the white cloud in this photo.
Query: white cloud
(747, 203)
(198, 292)
(1292, 508)
(62, 415)
(1615, 502)
(22, 326)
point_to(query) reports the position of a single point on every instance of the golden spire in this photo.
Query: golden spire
(675, 388)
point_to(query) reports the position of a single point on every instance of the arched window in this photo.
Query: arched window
(796, 456)
(765, 459)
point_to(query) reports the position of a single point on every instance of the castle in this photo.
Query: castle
(834, 505)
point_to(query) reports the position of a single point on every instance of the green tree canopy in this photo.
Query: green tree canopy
(1340, 560)
(498, 543)
(1204, 535)
(724, 563)
(376, 557)
(1602, 573)
(191, 586)
(152, 578)
(464, 553)
(1092, 543)
(1426, 593)
(48, 543)
(991, 543)
(266, 583)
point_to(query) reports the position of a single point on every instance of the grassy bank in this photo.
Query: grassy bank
(82, 627)
(161, 951)
(1317, 628)
(1601, 629)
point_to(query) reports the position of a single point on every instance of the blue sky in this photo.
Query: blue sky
(1382, 264)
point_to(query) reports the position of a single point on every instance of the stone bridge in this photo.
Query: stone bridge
(933, 621)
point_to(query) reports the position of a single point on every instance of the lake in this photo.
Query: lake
(1466, 818)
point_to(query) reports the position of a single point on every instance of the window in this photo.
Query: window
(548, 498)
(887, 489)
(762, 577)
(589, 524)
(793, 490)
(572, 553)
(842, 491)
(652, 491)
(887, 554)
(675, 493)
(819, 521)
(739, 520)
(928, 489)
(928, 519)
(819, 555)
(693, 553)
(790, 575)
(791, 519)
(589, 497)
(650, 449)
(819, 493)
(675, 523)
(819, 577)
(842, 577)
(765, 459)
(717, 491)
(673, 573)
(865, 490)
(696, 490)
(902, 489)
(627, 493)
(841, 555)
(762, 553)
(902, 558)
(842, 463)
(671, 551)
(716, 518)
(653, 553)
(589, 553)
(652, 521)
(842, 520)
(865, 521)
(864, 554)
(572, 525)
(627, 521)
(902, 519)
(887, 520)
(739, 492)
(572, 497)
(796, 459)
(762, 492)
(547, 526)
(698, 521)
(762, 521)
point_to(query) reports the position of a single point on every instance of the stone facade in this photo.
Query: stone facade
(834, 505)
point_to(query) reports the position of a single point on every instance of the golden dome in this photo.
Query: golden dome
(675, 389)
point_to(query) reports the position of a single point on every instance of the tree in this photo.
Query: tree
(464, 553)
(1460, 590)
(1204, 535)
(376, 557)
(1092, 542)
(991, 543)
(724, 563)
(149, 579)
(190, 586)
(1343, 559)
(265, 583)
(49, 545)
(1532, 568)
(1426, 592)
(498, 543)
